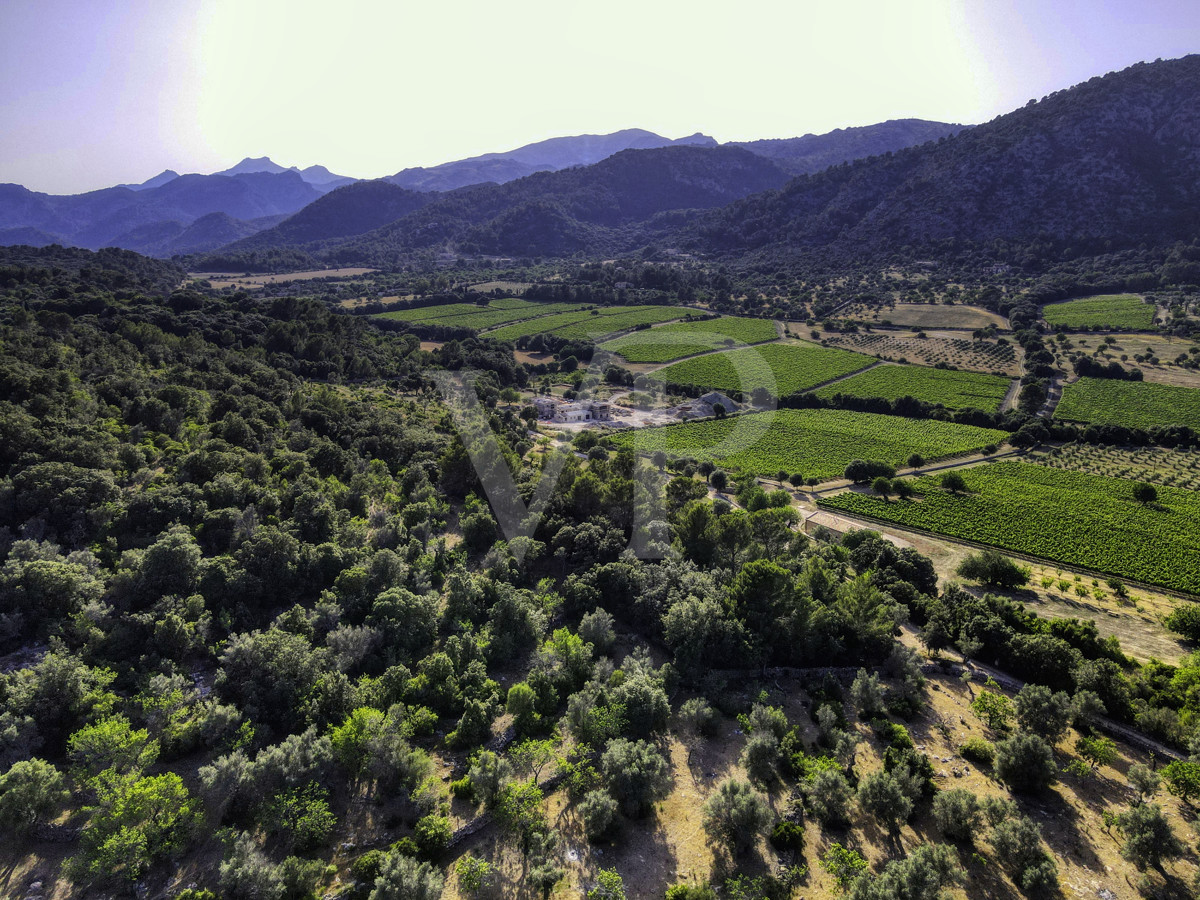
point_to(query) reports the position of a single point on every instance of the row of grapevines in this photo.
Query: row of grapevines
(1134, 404)
(1124, 312)
(1089, 521)
(780, 368)
(669, 342)
(818, 443)
(953, 389)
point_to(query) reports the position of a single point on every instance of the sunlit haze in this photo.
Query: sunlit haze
(93, 94)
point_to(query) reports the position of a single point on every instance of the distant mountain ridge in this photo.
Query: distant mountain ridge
(144, 219)
(543, 156)
(814, 152)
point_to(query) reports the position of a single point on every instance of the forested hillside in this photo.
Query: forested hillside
(264, 637)
(1106, 165)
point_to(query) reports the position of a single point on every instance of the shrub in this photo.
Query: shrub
(690, 892)
(30, 791)
(788, 836)
(598, 810)
(1148, 836)
(475, 875)
(828, 796)
(432, 834)
(956, 814)
(1185, 620)
(366, 867)
(1025, 762)
(735, 816)
(843, 864)
(403, 878)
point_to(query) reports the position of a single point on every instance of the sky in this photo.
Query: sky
(96, 92)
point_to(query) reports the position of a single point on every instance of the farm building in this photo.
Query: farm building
(555, 410)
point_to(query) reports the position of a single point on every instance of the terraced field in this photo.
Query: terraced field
(1087, 521)
(780, 368)
(1134, 404)
(952, 389)
(1120, 312)
(593, 323)
(669, 342)
(819, 443)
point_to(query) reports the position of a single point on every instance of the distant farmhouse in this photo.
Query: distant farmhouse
(551, 409)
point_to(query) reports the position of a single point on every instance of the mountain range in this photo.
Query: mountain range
(173, 214)
(1109, 165)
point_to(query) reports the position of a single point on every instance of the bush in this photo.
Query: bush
(366, 867)
(1025, 763)
(690, 892)
(432, 834)
(788, 836)
(978, 751)
(403, 878)
(637, 773)
(994, 569)
(828, 796)
(598, 810)
(1148, 836)
(1185, 620)
(735, 816)
(475, 875)
(30, 791)
(956, 814)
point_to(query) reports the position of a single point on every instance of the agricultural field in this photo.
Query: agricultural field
(1119, 312)
(1088, 521)
(670, 342)
(953, 389)
(1134, 404)
(474, 316)
(589, 323)
(819, 443)
(780, 368)
(617, 318)
(1154, 465)
(926, 315)
(962, 353)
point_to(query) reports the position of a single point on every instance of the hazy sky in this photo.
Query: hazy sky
(94, 92)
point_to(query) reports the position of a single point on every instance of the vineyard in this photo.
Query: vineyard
(670, 342)
(1134, 404)
(780, 368)
(818, 443)
(953, 389)
(1155, 465)
(1088, 521)
(1120, 312)
(617, 318)
(592, 323)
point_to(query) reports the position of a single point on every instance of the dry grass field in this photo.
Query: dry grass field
(221, 280)
(925, 315)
